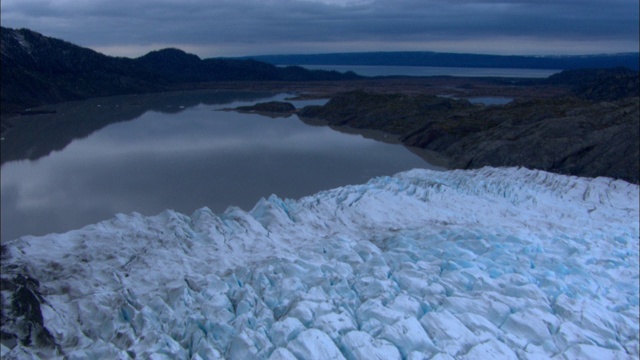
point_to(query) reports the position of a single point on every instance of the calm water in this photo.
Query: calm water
(436, 71)
(181, 157)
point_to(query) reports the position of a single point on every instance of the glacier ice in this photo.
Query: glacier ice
(361, 345)
(503, 263)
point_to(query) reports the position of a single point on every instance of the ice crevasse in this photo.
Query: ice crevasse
(477, 264)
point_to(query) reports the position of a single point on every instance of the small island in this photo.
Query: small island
(271, 109)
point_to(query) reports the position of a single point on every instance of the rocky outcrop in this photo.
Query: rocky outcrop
(22, 320)
(564, 135)
(396, 114)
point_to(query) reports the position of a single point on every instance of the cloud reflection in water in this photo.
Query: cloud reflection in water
(184, 161)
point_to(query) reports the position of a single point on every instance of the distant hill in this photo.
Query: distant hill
(424, 58)
(38, 70)
(599, 84)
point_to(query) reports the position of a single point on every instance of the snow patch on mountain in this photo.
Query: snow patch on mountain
(424, 264)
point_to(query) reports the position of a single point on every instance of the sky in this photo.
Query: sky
(223, 28)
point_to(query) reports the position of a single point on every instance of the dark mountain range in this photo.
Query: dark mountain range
(424, 58)
(38, 70)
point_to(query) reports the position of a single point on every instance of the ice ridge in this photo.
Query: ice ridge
(509, 263)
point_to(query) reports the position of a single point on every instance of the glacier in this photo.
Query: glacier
(462, 264)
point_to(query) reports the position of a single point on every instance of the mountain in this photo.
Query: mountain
(38, 70)
(424, 58)
(177, 66)
(458, 264)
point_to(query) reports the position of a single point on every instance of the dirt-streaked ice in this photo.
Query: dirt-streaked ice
(489, 263)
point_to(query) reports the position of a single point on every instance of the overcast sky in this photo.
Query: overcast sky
(212, 28)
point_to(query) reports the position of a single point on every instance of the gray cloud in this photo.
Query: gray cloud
(243, 27)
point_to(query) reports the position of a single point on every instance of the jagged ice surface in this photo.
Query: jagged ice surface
(489, 263)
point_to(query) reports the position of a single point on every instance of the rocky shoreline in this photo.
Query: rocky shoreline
(578, 122)
(566, 135)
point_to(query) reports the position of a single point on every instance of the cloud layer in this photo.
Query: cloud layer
(245, 27)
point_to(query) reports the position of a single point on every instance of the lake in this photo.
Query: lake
(147, 153)
(368, 70)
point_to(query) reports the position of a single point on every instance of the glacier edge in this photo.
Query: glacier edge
(460, 263)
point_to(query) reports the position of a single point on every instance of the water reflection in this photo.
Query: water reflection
(184, 161)
(38, 135)
(490, 100)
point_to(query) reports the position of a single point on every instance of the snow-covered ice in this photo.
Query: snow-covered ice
(488, 263)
